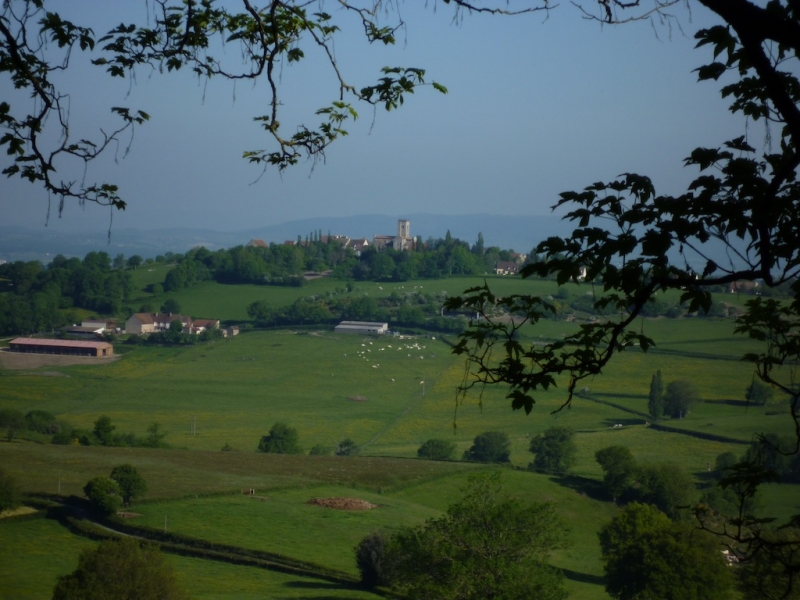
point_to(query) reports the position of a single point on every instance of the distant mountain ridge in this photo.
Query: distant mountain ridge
(520, 233)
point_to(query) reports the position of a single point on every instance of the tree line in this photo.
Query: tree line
(284, 264)
(39, 298)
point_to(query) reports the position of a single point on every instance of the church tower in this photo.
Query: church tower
(404, 228)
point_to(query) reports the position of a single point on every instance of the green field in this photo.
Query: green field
(329, 387)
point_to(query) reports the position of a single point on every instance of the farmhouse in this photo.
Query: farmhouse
(142, 323)
(362, 327)
(506, 267)
(71, 347)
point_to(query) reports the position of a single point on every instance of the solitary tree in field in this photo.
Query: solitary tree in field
(131, 484)
(491, 446)
(554, 449)
(282, 439)
(759, 394)
(679, 398)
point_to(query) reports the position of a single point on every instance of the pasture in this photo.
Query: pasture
(389, 395)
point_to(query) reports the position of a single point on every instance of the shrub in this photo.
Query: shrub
(320, 450)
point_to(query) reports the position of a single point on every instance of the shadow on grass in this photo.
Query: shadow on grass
(731, 402)
(583, 485)
(323, 586)
(583, 577)
(625, 422)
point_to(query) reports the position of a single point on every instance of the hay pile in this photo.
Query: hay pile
(343, 503)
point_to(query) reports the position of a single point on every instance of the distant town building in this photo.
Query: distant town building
(142, 323)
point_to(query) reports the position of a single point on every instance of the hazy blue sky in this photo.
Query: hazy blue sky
(535, 107)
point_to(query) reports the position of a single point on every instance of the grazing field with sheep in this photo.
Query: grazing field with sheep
(388, 394)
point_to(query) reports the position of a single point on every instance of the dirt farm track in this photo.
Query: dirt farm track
(22, 360)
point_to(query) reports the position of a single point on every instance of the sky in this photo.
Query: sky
(536, 106)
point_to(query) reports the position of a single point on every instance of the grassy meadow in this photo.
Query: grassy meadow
(389, 395)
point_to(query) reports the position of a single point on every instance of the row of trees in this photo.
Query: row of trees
(410, 309)
(37, 423)
(665, 485)
(283, 264)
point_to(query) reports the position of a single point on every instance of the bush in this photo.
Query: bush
(320, 450)
(370, 559)
(347, 447)
(491, 446)
(435, 449)
(124, 568)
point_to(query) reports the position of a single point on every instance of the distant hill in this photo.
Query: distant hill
(520, 233)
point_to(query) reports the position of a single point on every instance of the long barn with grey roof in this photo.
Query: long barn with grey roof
(69, 347)
(362, 327)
